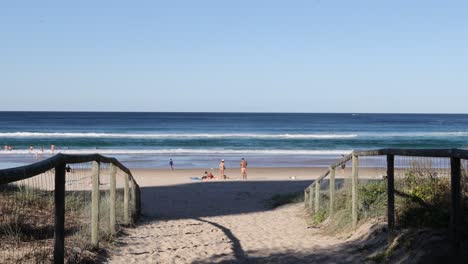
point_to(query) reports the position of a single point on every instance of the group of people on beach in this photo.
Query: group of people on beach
(31, 148)
(37, 153)
(8, 148)
(52, 149)
(222, 168)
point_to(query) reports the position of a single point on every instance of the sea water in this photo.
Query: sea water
(200, 140)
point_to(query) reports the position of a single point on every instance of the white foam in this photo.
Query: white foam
(227, 135)
(169, 135)
(184, 151)
(415, 134)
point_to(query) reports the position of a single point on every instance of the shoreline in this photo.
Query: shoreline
(202, 162)
(161, 177)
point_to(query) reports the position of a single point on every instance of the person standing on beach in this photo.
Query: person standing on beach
(171, 163)
(221, 170)
(243, 165)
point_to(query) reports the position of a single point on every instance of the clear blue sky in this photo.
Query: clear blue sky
(259, 56)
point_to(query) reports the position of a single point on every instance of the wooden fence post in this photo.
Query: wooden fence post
(456, 216)
(317, 196)
(391, 196)
(306, 197)
(332, 190)
(59, 230)
(354, 191)
(138, 200)
(126, 200)
(112, 197)
(311, 197)
(95, 205)
(134, 199)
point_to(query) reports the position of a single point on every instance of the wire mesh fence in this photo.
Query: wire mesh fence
(329, 196)
(120, 184)
(372, 187)
(332, 196)
(78, 186)
(27, 220)
(464, 196)
(27, 213)
(358, 188)
(422, 192)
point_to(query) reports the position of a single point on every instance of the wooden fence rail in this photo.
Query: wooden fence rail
(58, 163)
(455, 155)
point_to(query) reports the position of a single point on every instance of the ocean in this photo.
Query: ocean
(200, 140)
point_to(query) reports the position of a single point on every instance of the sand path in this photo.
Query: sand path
(225, 222)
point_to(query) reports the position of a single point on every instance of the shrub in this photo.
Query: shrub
(426, 199)
(372, 199)
(319, 217)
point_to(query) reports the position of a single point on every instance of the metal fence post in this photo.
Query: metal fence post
(332, 190)
(95, 205)
(391, 195)
(59, 199)
(354, 191)
(456, 216)
(112, 197)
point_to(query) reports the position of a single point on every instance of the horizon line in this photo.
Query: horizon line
(224, 112)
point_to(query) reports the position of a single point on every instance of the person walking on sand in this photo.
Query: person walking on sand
(171, 163)
(243, 165)
(222, 167)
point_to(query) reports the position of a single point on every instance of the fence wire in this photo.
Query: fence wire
(119, 212)
(464, 190)
(372, 187)
(326, 204)
(422, 192)
(78, 186)
(27, 214)
(27, 220)
(105, 232)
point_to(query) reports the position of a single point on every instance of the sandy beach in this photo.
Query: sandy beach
(226, 221)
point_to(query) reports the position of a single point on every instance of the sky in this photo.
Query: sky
(346, 56)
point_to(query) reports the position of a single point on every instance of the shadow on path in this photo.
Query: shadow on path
(205, 199)
(239, 253)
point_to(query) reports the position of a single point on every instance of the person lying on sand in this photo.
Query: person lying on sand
(208, 176)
